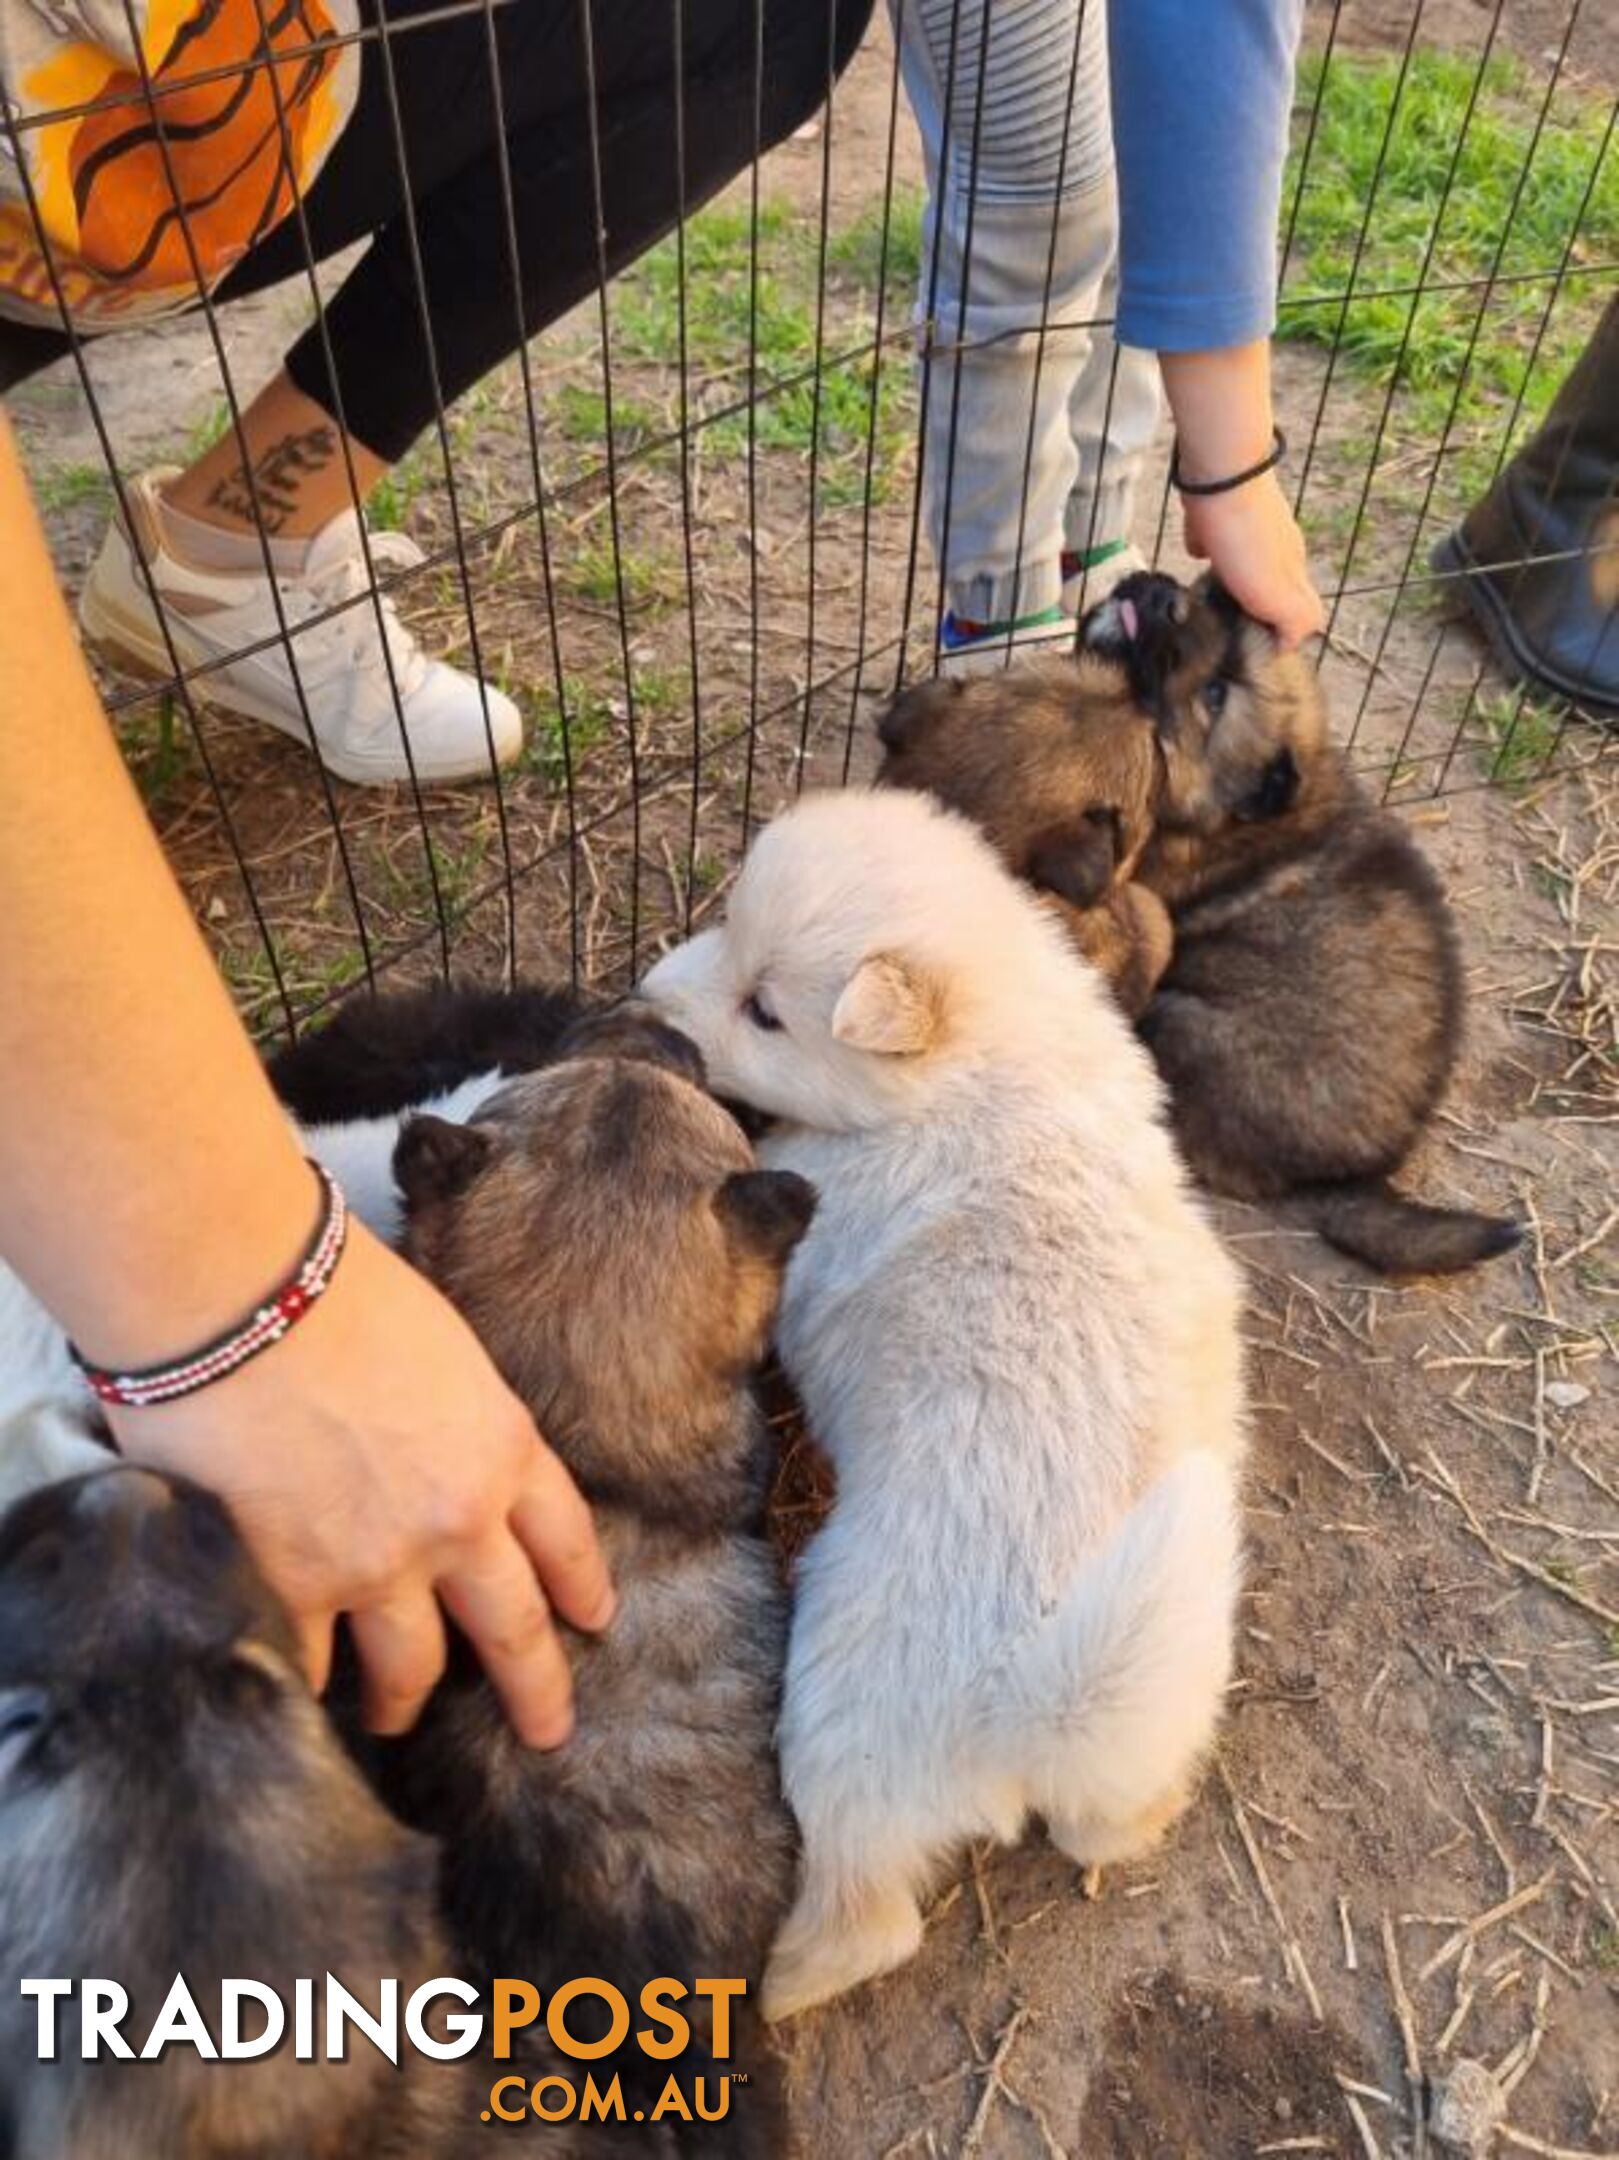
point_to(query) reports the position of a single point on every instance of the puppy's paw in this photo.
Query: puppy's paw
(1093, 1840)
(814, 1960)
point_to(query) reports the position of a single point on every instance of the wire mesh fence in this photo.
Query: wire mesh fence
(684, 524)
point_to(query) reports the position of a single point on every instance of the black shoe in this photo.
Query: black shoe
(1554, 624)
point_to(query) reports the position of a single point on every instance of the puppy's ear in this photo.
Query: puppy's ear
(765, 1212)
(914, 712)
(433, 1159)
(887, 1006)
(1078, 864)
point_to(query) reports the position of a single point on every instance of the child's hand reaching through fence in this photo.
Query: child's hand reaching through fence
(1251, 538)
(1224, 426)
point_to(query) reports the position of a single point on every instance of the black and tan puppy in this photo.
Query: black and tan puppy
(174, 1801)
(605, 1229)
(1065, 781)
(1310, 1019)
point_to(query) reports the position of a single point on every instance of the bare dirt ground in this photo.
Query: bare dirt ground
(1405, 1854)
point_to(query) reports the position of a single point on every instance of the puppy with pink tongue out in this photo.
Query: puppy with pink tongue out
(1015, 1334)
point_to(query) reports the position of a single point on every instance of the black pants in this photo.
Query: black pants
(447, 123)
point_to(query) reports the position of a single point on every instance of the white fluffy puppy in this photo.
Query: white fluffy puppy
(1015, 1334)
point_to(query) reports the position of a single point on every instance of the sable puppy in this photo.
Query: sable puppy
(605, 1228)
(1016, 1336)
(173, 1800)
(1310, 1018)
(1063, 776)
(443, 1050)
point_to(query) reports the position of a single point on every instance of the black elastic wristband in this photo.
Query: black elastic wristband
(1278, 451)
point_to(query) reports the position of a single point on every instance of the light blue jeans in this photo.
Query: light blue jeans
(1018, 255)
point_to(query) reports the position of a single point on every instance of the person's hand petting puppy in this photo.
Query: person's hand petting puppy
(152, 1193)
(1252, 538)
(1224, 426)
(377, 1464)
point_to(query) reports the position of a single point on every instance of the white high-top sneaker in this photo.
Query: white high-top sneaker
(359, 726)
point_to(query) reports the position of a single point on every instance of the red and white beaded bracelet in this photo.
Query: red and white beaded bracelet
(266, 1324)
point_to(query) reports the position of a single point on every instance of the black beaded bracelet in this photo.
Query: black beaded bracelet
(1278, 451)
(266, 1324)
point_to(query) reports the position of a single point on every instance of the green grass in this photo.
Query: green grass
(421, 469)
(719, 294)
(661, 692)
(590, 718)
(581, 414)
(1483, 204)
(1605, 1949)
(459, 867)
(856, 252)
(707, 870)
(213, 427)
(1517, 737)
(71, 487)
(157, 746)
(388, 505)
(649, 581)
(308, 976)
(727, 304)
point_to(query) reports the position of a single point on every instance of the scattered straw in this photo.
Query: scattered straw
(1363, 2129)
(1525, 2143)
(1292, 1955)
(1471, 1930)
(1406, 2018)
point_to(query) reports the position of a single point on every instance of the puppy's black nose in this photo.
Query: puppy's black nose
(1139, 621)
(1159, 603)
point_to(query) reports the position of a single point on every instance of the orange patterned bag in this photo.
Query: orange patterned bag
(225, 108)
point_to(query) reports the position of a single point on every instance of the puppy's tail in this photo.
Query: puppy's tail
(1107, 1707)
(1370, 1220)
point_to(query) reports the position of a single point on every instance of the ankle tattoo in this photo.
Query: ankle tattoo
(270, 498)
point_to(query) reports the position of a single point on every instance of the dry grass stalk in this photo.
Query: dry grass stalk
(1524, 2142)
(973, 2141)
(1406, 2018)
(1471, 1930)
(1351, 1954)
(1363, 2129)
(1292, 1955)
(1445, 1481)
(1516, 2064)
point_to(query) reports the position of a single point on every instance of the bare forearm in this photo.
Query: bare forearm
(1224, 427)
(1222, 406)
(152, 1192)
(150, 1189)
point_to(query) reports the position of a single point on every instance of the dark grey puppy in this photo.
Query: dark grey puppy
(1310, 1018)
(173, 1800)
(604, 1227)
